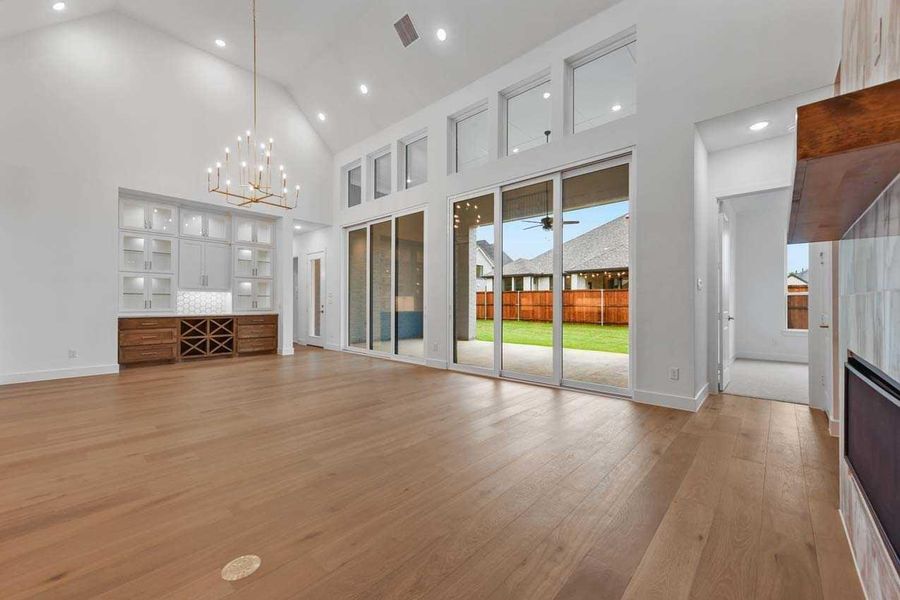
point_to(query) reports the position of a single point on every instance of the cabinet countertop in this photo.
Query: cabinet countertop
(193, 316)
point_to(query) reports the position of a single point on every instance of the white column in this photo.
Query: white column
(284, 283)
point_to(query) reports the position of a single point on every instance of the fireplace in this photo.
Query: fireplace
(872, 445)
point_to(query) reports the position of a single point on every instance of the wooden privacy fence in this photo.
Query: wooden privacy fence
(601, 307)
(798, 311)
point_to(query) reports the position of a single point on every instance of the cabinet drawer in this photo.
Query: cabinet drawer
(255, 344)
(256, 331)
(146, 337)
(138, 354)
(148, 323)
(258, 320)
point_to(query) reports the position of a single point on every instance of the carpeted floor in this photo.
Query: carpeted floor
(788, 382)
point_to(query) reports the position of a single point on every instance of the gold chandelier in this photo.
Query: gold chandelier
(249, 176)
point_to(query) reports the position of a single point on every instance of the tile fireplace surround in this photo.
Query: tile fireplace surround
(870, 326)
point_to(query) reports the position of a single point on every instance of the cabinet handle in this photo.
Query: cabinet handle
(147, 323)
(150, 302)
(151, 265)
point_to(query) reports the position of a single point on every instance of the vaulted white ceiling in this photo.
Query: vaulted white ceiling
(321, 50)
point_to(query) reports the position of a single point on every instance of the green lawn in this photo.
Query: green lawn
(577, 336)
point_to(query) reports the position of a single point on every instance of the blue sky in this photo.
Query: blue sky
(521, 243)
(797, 257)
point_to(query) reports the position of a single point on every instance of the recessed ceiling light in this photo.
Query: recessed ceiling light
(59, 6)
(363, 89)
(515, 150)
(321, 116)
(759, 126)
(546, 95)
(221, 43)
(441, 34)
(616, 107)
(297, 226)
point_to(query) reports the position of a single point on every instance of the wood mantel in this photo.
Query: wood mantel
(848, 151)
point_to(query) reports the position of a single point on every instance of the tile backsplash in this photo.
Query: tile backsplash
(203, 303)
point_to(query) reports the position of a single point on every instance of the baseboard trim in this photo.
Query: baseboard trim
(287, 351)
(333, 347)
(436, 363)
(688, 403)
(788, 358)
(50, 374)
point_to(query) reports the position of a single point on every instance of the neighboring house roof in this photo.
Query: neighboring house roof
(801, 275)
(487, 249)
(600, 249)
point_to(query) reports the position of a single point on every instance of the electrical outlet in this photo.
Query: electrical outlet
(674, 373)
(73, 353)
(434, 347)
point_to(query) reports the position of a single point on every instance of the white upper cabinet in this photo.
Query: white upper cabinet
(252, 294)
(252, 261)
(146, 293)
(253, 231)
(204, 266)
(207, 225)
(146, 253)
(148, 216)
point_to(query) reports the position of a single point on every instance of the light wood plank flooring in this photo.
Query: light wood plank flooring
(359, 478)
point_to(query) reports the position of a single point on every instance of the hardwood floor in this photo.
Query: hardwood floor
(359, 478)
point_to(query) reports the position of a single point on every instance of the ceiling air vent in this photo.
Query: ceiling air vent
(406, 30)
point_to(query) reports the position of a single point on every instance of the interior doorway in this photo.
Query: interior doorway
(764, 291)
(542, 278)
(315, 305)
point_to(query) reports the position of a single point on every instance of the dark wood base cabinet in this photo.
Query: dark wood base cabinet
(172, 339)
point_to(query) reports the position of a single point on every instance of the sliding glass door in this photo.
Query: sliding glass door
(385, 288)
(541, 279)
(526, 331)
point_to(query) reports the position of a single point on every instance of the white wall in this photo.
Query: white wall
(695, 61)
(91, 106)
(760, 325)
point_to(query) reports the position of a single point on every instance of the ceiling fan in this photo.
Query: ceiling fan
(546, 223)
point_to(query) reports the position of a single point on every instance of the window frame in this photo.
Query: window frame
(345, 183)
(372, 161)
(403, 165)
(510, 93)
(455, 119)
(589, 55)
(788, 293)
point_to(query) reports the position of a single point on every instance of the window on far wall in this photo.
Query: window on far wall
(603, 88)
(354, 186)
(472, 141)
(382, 175)
(797, 286)
(528, 118)
(416, 170)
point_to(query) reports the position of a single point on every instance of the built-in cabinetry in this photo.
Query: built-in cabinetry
(204, 266)
(166, 248)
(155, 339)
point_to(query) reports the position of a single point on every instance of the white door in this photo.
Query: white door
(315, 305)
(190, 268)
(217, 267)
(726, 300)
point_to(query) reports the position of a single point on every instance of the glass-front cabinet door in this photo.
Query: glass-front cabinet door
(133, 214)
(253, 231)
(133, 293)
(253, 262)
(196, 223)
(148, 216)
(146, 293)
(191, 223)
(162, 218)
(143, 253)
(253, 294)
(132, 252)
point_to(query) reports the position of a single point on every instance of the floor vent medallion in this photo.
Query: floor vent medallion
(242, 566)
